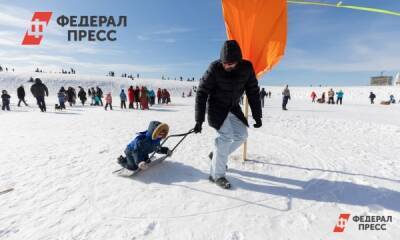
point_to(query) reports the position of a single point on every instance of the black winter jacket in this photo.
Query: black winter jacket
(21, 93)
(221, 91)
(38, 89)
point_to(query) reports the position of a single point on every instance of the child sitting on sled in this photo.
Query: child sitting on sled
(138, 150)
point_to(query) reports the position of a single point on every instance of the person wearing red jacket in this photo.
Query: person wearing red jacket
(159, 96)
(167, 97)
(144, 103)
(313, 96)
(131, 97)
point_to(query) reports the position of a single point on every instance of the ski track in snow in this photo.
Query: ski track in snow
(306, 166)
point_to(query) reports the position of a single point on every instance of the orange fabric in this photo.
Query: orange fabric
(260, 28)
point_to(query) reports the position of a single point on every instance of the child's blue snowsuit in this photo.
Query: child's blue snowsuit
(141, 146)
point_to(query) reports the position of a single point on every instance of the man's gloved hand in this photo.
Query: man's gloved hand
(197, 127)
(258, 123)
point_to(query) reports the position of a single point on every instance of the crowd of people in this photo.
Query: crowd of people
(136, 97)
(331, 97)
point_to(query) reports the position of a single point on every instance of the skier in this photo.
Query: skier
(5, 100)
(286, 97)
(39, 90)
(82, 95)
(138, 150)
(131, 97)
(21, 95)
(331, 95)
(372, 97)
(122, 96)
(263, 94)
(220, 88)
(108, 101)
(339, 97)
(313, 96)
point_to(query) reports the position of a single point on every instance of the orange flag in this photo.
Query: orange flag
(260, 28)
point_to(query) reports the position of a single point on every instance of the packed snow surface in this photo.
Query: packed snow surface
(305, 167)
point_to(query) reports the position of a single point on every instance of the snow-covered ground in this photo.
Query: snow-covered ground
(306, 166)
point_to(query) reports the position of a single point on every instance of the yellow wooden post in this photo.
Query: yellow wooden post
(246, 114)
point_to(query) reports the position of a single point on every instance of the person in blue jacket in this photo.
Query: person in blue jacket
(123, 97)
(339, 97)
(138, 150)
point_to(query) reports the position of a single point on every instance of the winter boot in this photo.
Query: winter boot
(122, 160)
(222, 182)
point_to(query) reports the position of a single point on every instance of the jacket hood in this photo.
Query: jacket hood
(155, 127)
(38, 81)
(231, 52)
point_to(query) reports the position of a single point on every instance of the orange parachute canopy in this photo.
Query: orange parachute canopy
(260, 28)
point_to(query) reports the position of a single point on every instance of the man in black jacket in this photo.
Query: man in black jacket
(220, 88)
(39, 90)
(21, 95)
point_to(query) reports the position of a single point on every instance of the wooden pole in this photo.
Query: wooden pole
(246, 114)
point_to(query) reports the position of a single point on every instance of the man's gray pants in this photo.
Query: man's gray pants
(230, 136)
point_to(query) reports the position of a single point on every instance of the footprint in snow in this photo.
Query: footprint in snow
(150, 228)
(235, 236)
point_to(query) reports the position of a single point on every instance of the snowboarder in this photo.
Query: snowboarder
(122, 96)
(108, 101)
(5, 100)
(286, 97)
(313, 96)
(21, 95)
(82, 95)
(263, 94)
(331, 95)
(372, 97)
(39, 91)
(224, 113)
(138, 150)
(339, 97)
